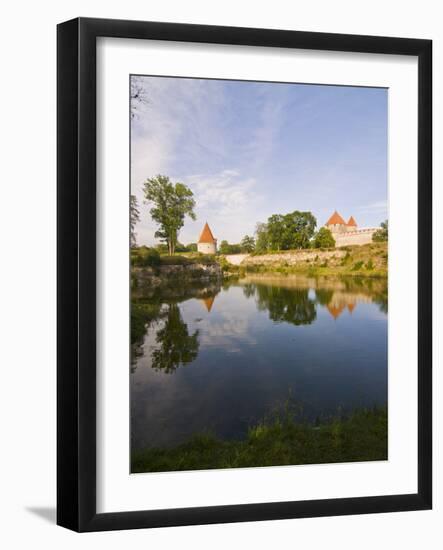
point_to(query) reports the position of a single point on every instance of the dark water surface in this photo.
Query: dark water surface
(221, 358)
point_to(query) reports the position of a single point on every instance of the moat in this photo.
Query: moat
(219, 357)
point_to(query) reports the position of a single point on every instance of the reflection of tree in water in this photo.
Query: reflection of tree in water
(176, 346)
(152, 304)
(291, 305)
(248, 290)
(323, 295)
(381, 299)
(142, 315)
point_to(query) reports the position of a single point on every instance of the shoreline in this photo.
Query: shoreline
(282, 441)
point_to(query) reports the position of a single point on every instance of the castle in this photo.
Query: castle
(206, 243)
(344, 233)
(348, 233)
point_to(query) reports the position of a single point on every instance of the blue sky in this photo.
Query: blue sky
(252, 149)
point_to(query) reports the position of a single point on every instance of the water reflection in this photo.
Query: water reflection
(175, 345)
(218, 358)
(292, 300)
(290, 305)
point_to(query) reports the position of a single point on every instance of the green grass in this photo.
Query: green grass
(282, 441)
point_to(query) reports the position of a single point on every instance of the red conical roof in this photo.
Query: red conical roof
(206, 235)
(352, 222)
(336, 219)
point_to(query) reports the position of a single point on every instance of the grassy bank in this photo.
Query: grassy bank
(282, 441)
(144, 256)
(369, 260)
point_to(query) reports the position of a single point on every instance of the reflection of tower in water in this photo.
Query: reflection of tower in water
(208, 302)
(351, 307)
(341, 301)
(335, 310)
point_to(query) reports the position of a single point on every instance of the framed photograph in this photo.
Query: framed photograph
(244, 274)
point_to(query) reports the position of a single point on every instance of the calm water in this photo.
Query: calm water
(221, 358)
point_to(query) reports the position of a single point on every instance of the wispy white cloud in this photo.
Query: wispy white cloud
(224, 193)
(228, 200)
(270, 111)
(375, 207)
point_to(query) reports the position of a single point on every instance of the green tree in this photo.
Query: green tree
(261, 237)
(290, 231)
(224, 247)
(275, 228)
(323, 296)
(134, 216)
(299, 228)
(381, 235)
(247, 244)
(171, 203)
(324, 238)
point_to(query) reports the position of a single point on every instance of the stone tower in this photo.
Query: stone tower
(336, 224)
(206, 243)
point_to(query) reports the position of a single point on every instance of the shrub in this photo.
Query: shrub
(176, 260)
(381, 235)
(324, 238)
(144, 257)
(369, 265)
(357, 266)
(345, 259)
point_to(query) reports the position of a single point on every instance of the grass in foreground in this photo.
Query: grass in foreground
(361, 437)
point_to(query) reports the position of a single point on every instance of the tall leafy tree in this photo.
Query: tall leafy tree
(285, 232)
(298, 229)
(275, 229)
(247, 244)
(134, 215)
(261, 237)
(172, 202)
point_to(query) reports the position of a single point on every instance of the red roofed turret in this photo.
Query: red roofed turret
(206, 235)
(351, 222)
(207, 244)
(336, 219)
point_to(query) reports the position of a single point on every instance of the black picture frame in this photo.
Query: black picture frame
(76, 265)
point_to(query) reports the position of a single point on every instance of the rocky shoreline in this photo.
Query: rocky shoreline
(167, 275)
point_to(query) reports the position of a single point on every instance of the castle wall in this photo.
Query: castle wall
(359, 236)
(207, 248)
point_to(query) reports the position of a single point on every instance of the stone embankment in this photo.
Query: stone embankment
(169, 274)
(293, 257)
